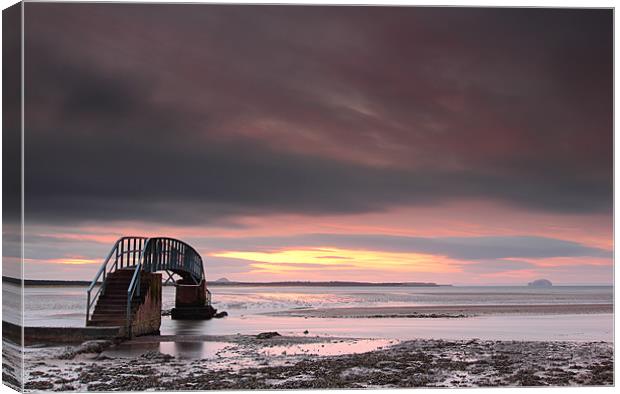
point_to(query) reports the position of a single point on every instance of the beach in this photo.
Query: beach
(307, 337)
(246, 362)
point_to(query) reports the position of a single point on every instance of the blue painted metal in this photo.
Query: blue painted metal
(146, 255)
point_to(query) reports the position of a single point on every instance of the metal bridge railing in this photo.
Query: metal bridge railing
(148, 255)
(125, 253)
(165, 254)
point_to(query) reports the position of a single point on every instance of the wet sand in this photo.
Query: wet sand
(246, 362)
(453, 311)
(11, 365)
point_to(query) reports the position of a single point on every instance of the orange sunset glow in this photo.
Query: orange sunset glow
(326, 258)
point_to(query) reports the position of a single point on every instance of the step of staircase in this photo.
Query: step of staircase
(120, 293)
(108, 319)
(108, 316)
(111, 307)
(107, 323)
(105, 303)
(119, 297)
(110, 313)
(121, 289)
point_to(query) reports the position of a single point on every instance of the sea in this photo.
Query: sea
(248, 311)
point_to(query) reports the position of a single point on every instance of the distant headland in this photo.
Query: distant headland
(226, 282)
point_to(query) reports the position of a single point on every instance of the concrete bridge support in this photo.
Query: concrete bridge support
(191, 301)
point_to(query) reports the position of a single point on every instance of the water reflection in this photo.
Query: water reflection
(332, 348)
(595, 327)
(184, 350)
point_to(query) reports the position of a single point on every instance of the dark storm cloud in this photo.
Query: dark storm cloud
(46, 247)
(11, 113)
(194, 114)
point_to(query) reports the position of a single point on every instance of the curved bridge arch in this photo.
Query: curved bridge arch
(169, 254)
(143, 254)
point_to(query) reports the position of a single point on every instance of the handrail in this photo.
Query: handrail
(131, 290)
(149, 255)
(92, 299)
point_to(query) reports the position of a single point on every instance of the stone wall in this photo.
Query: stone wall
(147, 318)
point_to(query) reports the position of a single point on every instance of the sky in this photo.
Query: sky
(447, 145)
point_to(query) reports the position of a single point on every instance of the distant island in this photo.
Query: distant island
(540, 283)
(226, 282)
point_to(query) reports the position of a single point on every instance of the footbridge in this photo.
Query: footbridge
(127, 289)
